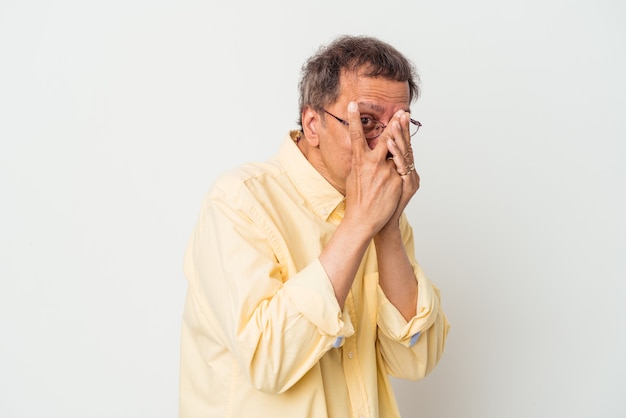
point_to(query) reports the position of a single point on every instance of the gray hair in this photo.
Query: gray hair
(371, 57)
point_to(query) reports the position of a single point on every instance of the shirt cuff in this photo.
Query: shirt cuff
(395, 327)
(414, 338)
(338, 342)
(313, 295)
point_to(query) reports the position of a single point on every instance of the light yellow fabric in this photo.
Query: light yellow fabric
(261, 318)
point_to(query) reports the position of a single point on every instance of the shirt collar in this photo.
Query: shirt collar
(320, 194)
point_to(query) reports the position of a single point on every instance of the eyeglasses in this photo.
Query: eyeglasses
(373, 128)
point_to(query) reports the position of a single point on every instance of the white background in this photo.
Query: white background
(116, 116)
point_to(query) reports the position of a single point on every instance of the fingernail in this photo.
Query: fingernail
(352, 107)
(399, 113)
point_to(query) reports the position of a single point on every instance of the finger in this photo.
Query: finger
(401, 134)
(403, 167)
(393, 131)
(357, 138)
(399, 144)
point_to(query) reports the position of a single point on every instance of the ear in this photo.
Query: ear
(311, 124)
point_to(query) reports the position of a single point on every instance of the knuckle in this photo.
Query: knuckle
(356, 135)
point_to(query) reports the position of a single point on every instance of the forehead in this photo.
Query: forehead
(375, 93)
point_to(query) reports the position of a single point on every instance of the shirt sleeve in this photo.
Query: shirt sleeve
(411, 349)
(276, 325)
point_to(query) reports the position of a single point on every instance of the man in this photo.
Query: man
(304, 294)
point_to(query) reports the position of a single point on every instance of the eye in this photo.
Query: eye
(368, 123)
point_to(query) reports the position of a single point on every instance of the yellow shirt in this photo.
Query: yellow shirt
(262, 332)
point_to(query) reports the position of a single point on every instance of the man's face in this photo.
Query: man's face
(378, 99)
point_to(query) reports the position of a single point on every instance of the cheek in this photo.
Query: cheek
(339, 157)
(346, 163)
(372, 143)
(341, 150)
(341, 161)
(346, 154)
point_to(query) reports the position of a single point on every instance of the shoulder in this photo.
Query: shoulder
(246, 180)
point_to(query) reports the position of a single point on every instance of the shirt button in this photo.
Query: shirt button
(350, 354)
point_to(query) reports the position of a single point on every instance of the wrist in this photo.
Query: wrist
(389, 232)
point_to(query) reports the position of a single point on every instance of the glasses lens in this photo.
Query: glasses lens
(371, 133)
(371, 128)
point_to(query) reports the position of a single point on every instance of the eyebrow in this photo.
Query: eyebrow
(373, 106)
(376, 107)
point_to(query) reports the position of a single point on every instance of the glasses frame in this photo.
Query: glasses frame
(379, 124)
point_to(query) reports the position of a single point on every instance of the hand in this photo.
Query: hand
(373, 187)
(399, 145)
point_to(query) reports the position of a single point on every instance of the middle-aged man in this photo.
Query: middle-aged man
(304, 294)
